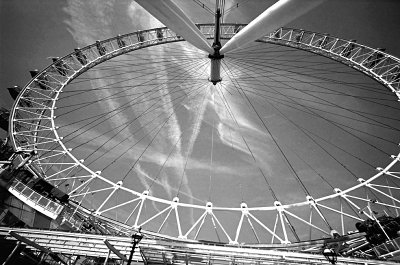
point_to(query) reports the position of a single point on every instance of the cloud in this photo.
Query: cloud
(172, 134)
(141, 19)
(89, 19)
(98, 24)
(182, 131)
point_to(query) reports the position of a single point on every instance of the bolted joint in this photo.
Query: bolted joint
(278, 206)
(209, 206)
(175, 202)
(311, 200)
(216, 55)
(337, 190)
(244, 208)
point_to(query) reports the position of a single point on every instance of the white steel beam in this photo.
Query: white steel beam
(340, 212)
(222, 228)
(195, 223)
(178, 222)
(154, 216)
(98, 211)
(93, 191)
(276, 16)
(165, 220)
(174, 18)
(239, 228)
(252, 228)
(119, 205)
(307, 223)
(143, 198)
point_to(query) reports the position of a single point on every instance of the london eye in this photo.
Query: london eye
(200, 136)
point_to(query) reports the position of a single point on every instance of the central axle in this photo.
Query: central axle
(215, 73)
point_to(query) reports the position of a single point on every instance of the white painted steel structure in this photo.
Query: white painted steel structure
(33, 125)
(176, 20)
(277, 15)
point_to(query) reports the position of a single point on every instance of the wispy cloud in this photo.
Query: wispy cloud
(86, 29)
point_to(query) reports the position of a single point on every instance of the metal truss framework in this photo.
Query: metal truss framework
(68, 246)
(33, 125)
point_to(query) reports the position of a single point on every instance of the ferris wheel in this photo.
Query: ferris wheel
(270, 136)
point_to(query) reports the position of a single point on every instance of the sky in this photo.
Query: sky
(32, 31)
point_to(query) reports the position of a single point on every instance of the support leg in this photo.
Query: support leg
(15, 251)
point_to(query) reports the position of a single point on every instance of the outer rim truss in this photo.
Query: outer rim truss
(33, 113)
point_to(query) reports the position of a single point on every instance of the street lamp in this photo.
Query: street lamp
(136, 237)
(330, 255)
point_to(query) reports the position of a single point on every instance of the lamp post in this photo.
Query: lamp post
(330, 255)
(136, 237)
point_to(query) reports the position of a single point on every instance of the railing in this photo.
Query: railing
(388, 249)
(169, 252)
(69, 216)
